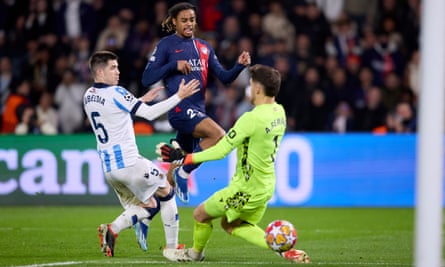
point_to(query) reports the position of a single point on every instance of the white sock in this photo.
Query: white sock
(170, 219)
(125, 220)
(183, 173)
(146, 221)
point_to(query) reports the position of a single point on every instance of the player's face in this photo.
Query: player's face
(111, 73)
(185, 23)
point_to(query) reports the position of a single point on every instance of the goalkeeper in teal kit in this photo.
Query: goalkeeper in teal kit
(241, 205)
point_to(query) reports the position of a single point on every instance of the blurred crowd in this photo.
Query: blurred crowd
(346, 65)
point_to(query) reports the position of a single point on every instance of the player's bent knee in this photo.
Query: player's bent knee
(200, 215)
(165, 194)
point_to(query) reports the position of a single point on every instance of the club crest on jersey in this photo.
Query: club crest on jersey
(204, 50)
(128, 97)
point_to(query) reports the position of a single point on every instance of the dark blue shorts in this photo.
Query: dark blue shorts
(184, 122)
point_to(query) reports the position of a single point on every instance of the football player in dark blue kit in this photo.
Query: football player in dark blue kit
(182, 56)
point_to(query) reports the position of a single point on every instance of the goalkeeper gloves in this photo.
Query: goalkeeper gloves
(170, 153)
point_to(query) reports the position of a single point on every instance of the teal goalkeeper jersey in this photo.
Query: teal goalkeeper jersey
(256, 135)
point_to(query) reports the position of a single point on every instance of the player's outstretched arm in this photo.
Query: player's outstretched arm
(154, 111)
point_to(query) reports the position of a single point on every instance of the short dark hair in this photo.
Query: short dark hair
(268, 77)
(99, 59)
(167, 24)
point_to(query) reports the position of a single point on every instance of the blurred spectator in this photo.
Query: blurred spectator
(228, 53)
(401, 119)
(160, 12)
(365, 82)
(405, 117)
(315, 25)
(315, 115)
(230, 30)
(304, 56)
(40, 70)
(226, 107)
(389, 8)
(255, 31)
(75, 19)
(411, 27)
(240, 10)
(392, 90)
(373, 114)
(342, 119)
(68, 98)
(340, 90)
(331, 8)
(345, 41)
(7, 79)
(39, 120)
(40, 19)
(383, 58)
(389, 27)
(137, 46)
(277, 25)
(303, 92)
(17, 37)
(362, 12)
(113, 36)
(289, 95)
(17, 100)
(210, 14)
(46, 114)
(79, 57)
(28, 121)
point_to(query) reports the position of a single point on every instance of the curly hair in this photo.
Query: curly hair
(167, 24)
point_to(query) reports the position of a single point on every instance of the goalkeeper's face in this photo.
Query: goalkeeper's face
(110, 74)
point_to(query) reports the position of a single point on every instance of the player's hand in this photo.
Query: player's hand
(184, 67)
(170, 153)
(151, 95)
(188, 89)
(244, 58)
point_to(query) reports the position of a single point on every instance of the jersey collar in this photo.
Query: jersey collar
(100, 85)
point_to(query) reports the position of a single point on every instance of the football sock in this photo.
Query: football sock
(125, 220)
(201, 234)
(251, 233)
(170, 219)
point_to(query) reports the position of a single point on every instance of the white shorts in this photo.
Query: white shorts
(137, 183)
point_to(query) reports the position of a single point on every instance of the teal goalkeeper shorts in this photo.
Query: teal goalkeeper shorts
(234, 204)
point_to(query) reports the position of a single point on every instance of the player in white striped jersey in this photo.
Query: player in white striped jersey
(140, 185)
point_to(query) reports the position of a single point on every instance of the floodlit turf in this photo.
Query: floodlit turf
(67, 236)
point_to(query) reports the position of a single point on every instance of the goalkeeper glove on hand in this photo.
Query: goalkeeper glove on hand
(170, 153)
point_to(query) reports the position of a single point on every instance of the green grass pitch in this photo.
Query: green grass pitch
(67, 236)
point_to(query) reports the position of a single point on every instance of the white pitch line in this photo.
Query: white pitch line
(53, 264)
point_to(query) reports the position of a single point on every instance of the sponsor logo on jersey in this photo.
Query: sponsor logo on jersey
(198, 64)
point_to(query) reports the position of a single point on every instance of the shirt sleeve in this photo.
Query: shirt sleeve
(154, 111)
(158, 66)
(242, 129)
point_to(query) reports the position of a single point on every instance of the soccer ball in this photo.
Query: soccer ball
(280, 235)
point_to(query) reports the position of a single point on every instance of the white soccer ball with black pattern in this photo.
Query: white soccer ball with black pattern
(280, 235)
